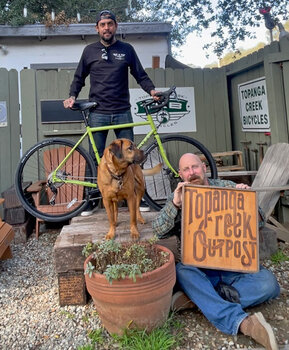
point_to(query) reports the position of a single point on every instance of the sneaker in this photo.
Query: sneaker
(181, 302)
(144, 206)
(256, 327)
(89, 211)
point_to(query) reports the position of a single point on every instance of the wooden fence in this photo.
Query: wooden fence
(212, 116)
(218, 122)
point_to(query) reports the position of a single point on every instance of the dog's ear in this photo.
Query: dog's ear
(116, 149)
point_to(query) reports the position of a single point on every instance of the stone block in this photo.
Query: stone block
(267, 242)
(23, 231)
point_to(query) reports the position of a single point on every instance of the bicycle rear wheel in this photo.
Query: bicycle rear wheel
(159, 186)
(48, 200)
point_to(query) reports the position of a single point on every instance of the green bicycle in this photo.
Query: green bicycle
(56, 178)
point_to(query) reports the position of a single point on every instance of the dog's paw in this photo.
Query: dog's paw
(140, 219)
(110, 235)
(134, 233)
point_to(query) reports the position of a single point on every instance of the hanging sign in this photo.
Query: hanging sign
(254, 105)
(178, 116)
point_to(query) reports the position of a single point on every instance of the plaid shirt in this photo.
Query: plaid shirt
(168, 222)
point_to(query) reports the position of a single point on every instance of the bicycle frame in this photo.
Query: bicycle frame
(89, 132)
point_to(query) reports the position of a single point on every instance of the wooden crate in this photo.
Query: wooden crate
(225, 160)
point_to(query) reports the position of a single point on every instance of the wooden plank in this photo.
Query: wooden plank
(28, 109)
(14, 123)
(276, 102)
(273, 172)
(5, 137)
(169, 75)
(286, 88)
(200, 108)
(6, 236)
(282, 233)
(159, 78)
(209, 124)
(221, 116)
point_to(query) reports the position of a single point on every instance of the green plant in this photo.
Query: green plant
(161, 338)
(86, 347)
(279, 257)
(96, 336)
(67, 314)
(120, 260)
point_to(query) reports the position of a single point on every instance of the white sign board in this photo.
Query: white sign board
(3, 114)
(178, 116)
(254, 105)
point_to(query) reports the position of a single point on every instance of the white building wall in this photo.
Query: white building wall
(22, 52)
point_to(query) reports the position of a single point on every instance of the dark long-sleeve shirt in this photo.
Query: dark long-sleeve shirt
(108, 68)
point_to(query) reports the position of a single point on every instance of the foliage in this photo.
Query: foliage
(279, 257)
(229, 20)
(166, 337)
(118, 261)
(163, 338)
(96, 336)
(86, 347)
(11, 12)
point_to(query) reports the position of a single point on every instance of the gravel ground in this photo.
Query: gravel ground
(30, 317)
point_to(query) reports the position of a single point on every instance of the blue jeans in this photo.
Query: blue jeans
(97, 119)
(253, 288)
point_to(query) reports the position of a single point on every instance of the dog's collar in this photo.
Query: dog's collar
(118, 178)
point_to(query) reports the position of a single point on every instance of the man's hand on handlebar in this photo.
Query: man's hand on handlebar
(69, 102)
(154, 95)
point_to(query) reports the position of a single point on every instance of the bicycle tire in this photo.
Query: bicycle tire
(36, 165)
(159, 186)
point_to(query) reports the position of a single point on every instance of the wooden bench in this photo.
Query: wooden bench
(6, 236)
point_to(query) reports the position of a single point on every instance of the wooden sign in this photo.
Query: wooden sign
(220, 228)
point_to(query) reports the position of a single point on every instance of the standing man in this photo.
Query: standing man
(199, 284)
(108, 62)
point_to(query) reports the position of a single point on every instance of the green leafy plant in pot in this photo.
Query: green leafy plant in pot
(130, 283)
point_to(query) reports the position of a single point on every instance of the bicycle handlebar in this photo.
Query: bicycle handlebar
(155, 106)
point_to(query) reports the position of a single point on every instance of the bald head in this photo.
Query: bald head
(191, 169)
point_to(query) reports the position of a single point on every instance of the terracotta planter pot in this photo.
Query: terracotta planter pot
(143, 304)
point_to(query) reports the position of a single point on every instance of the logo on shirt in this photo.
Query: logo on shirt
(119, 56)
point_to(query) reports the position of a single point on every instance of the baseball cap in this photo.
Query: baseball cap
(105, 14)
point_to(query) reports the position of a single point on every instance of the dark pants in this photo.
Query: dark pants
(97, 120)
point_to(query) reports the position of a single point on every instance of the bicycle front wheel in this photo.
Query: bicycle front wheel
(159, 186)
(35, 184)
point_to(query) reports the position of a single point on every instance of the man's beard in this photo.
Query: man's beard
(109, 40)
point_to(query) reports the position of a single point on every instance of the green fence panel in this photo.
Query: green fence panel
(9, 128)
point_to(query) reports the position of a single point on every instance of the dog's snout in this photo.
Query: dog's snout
(139, 156)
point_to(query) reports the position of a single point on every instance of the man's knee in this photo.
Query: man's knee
(268, 284)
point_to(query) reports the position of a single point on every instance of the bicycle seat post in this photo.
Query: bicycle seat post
(85, 115)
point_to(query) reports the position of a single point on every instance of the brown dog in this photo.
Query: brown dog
(119, 177)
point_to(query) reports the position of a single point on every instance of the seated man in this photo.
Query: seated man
(199, 283)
